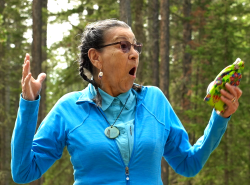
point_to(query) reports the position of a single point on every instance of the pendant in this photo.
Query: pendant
(111, 132)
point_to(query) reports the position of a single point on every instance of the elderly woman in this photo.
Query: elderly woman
(115, 131)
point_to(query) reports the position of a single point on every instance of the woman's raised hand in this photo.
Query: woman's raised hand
(31, 87)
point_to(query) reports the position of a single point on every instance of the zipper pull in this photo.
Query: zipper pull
(127, 173)
(130, 131)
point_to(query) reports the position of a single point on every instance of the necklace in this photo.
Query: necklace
(112, 132)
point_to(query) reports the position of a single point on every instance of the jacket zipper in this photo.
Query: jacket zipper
(133, 151)
(126, 167)
(127, 174)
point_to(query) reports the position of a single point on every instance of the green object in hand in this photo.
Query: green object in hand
(232, 75)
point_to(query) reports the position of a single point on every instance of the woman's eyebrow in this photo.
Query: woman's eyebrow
(120, 37)
(123, 37)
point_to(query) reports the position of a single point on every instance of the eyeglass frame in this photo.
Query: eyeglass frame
(140, 44)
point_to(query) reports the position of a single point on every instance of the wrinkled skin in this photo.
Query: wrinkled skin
(114, 63)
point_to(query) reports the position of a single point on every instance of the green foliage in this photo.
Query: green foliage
(3, 35)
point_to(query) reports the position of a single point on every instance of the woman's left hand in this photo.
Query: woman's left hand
(230, 99)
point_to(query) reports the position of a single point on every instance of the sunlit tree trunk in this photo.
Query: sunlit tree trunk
(164, 69)
(125, 12)
(153, 29)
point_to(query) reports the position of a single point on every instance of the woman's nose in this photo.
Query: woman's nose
(133, 54)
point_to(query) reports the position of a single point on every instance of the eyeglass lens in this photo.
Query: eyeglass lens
(126, 46)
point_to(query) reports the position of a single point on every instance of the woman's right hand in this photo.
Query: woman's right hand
(31, 88)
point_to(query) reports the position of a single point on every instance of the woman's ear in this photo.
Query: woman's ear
(95, 58)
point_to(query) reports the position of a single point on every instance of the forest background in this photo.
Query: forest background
(186, 43)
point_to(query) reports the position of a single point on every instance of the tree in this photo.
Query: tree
(39, 47)
(138, 29)
(125, 12)
(164, 70)
(4, 109)
(164, 47)
(44, 56)
(36, 63)
(153, 41)
(187, 57)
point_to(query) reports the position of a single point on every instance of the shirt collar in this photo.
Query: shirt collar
(108, 99)
(124, 96)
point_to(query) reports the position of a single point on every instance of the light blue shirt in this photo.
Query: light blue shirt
(112, 107)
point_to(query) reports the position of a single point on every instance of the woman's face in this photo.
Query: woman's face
(119, 68)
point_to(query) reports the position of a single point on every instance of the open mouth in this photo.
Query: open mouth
(132, 71)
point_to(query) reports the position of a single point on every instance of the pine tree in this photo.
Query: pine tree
(153, 40)
(164, 69)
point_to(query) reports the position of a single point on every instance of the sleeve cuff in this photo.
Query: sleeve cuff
(220, 121)
(25, 105)
(214, 111)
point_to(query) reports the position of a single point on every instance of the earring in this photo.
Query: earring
(100, 75)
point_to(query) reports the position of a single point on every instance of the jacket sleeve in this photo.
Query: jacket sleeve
(188, 160)
(32, 156)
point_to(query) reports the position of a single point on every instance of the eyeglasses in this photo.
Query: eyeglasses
(126, 46)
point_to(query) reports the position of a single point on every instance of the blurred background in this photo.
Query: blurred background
(186, 43)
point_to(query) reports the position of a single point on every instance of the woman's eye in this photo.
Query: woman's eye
(123, 46)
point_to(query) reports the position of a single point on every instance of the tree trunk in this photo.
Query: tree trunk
(44, 59)
(226, 173)
(164, 49)
(125, 12)
(43, 112)
(249, 162)
(4, 108)
(138, 30)
(226, 56)
(153, 27)
(39, 54)
(164, 70)
(2, 114)
(187, 58)
(36, 61)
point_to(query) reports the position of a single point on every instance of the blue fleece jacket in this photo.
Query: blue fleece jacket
(76, 122)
